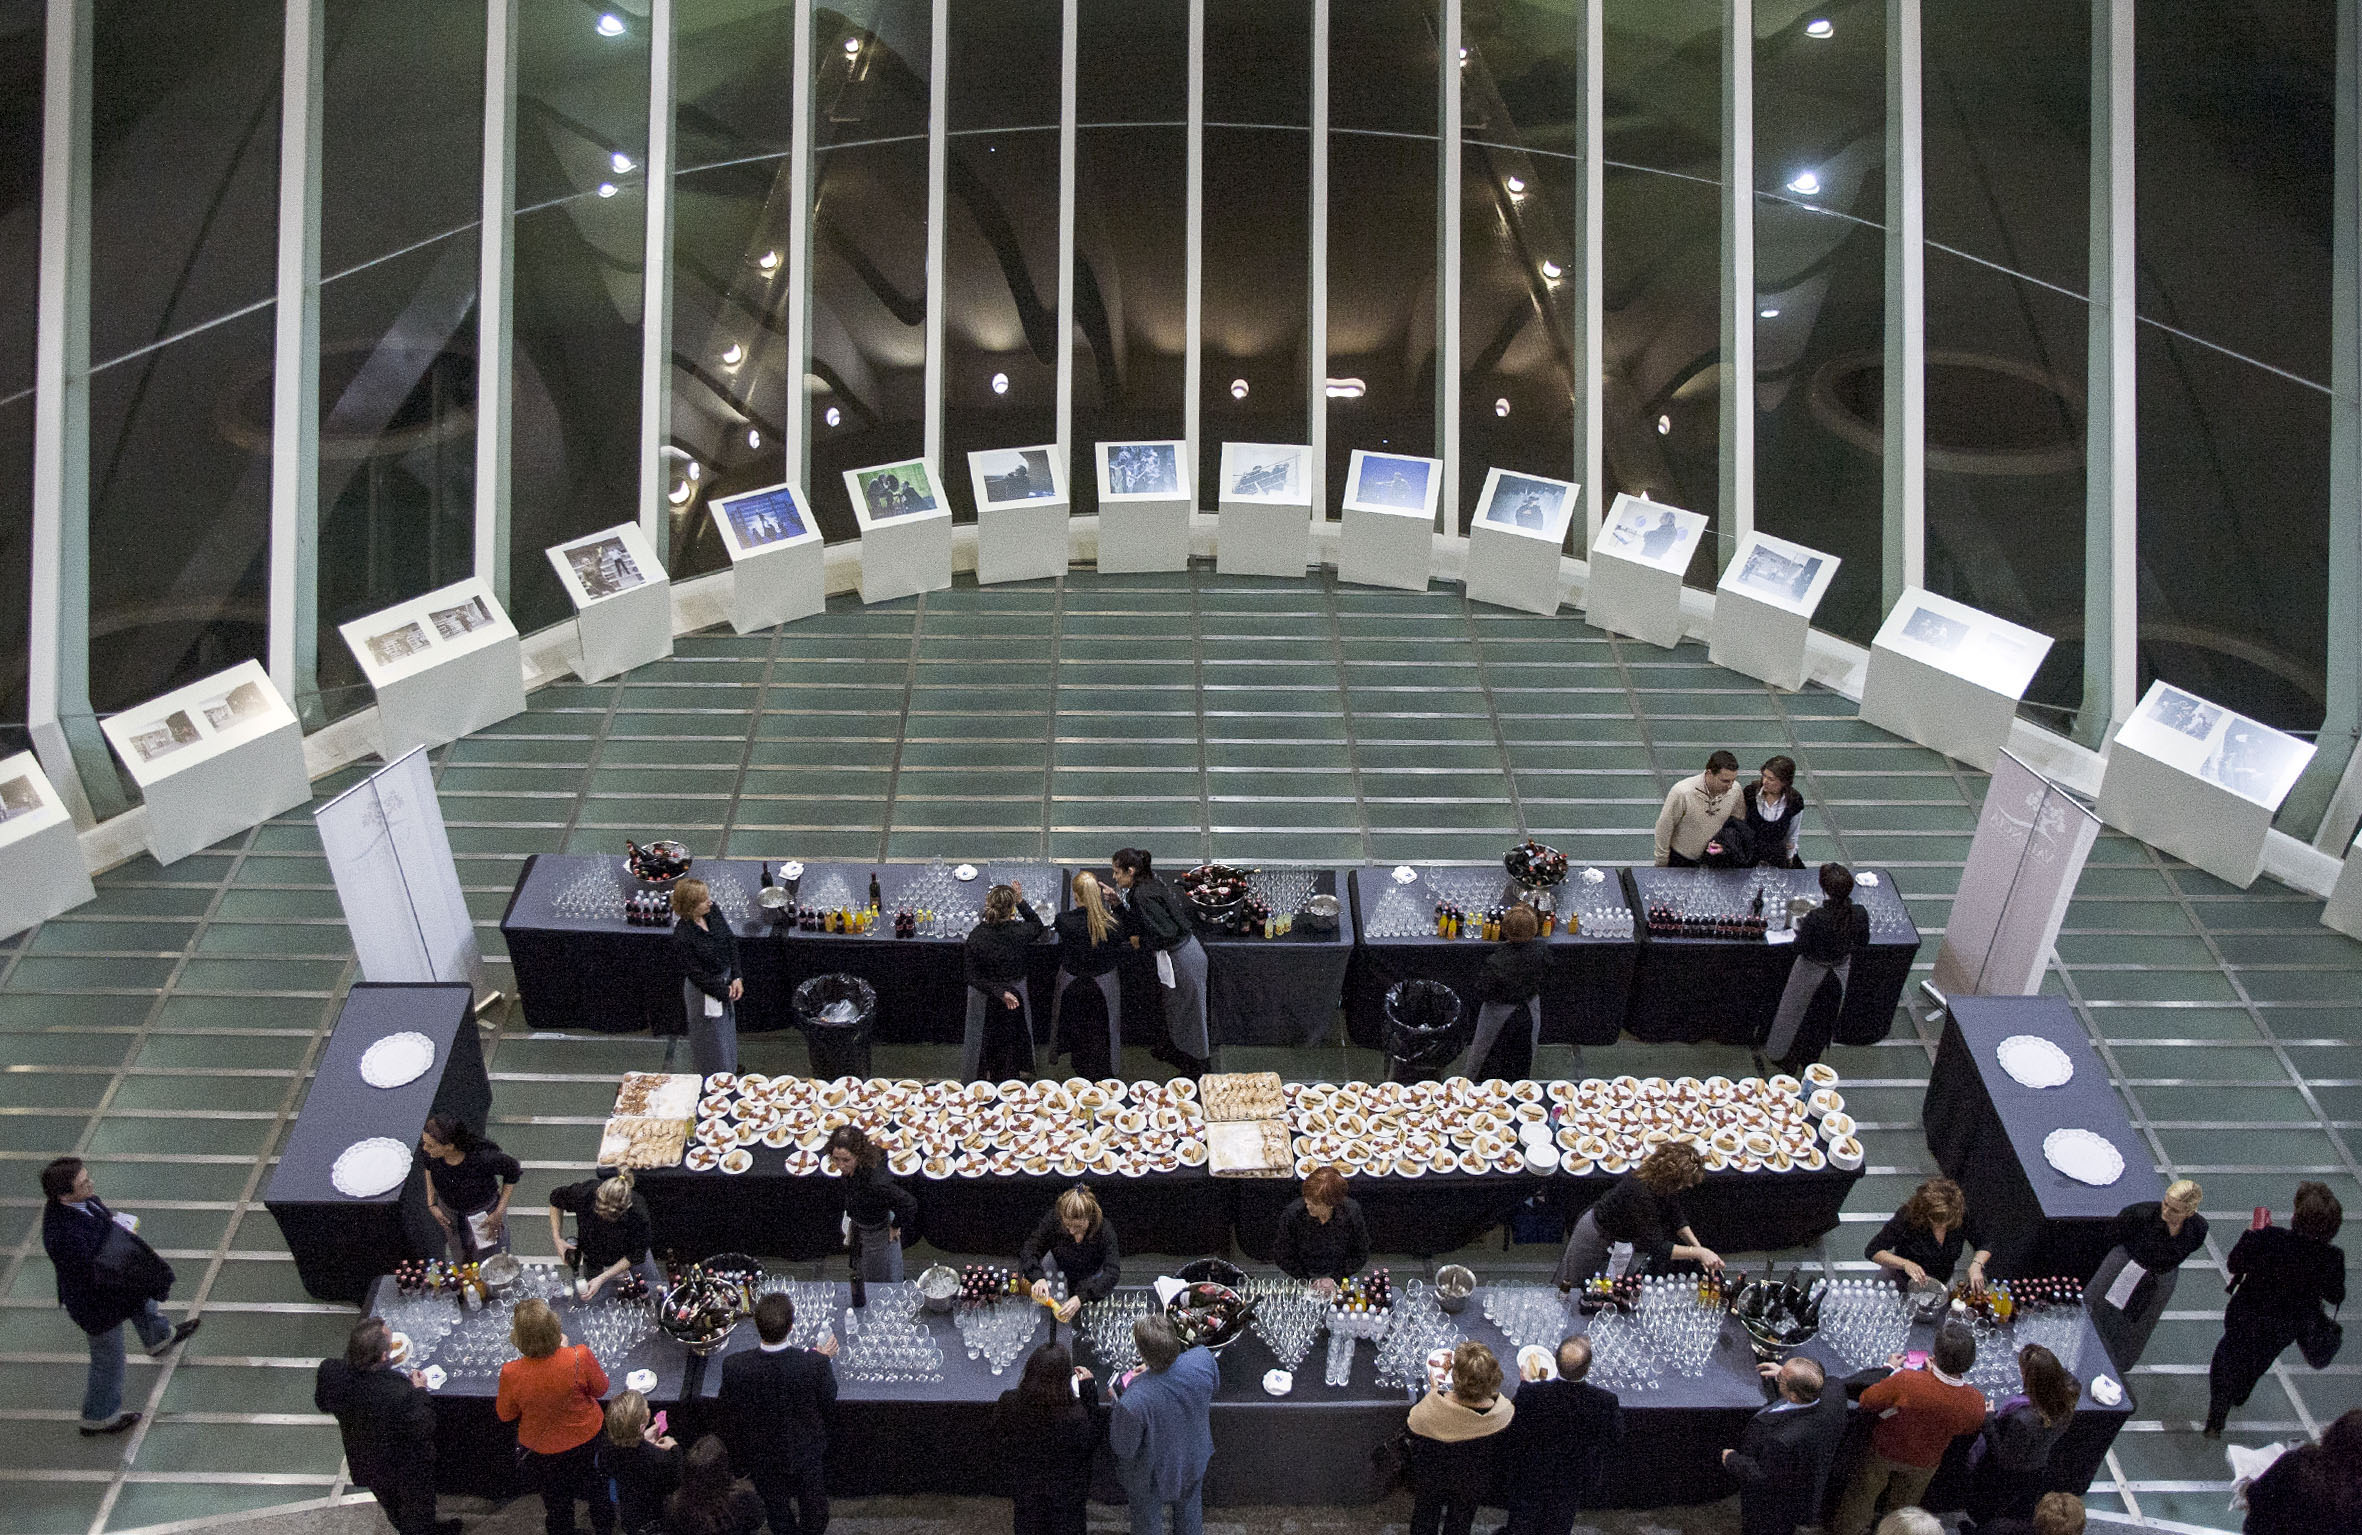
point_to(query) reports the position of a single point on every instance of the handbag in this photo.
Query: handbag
(125, 1265)
(2319, 1336)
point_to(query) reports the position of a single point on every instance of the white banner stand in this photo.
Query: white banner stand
(1388, 536)
(1514, 541)
(1022, 514)
(1263, 521)
(390, 856)
(905, 529)
(41, 868)
(212, 759)
(2193, 779)
(2032, 838)
(623, 601)
(1949, 676)
(776, 557)
(1763, 608)
(1636, 568)
(2344, 910)
(443, 665)
(1144, 506)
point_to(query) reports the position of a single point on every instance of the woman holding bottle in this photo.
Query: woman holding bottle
(1157, 919)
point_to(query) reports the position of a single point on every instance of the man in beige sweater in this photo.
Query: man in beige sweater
(1695, 809)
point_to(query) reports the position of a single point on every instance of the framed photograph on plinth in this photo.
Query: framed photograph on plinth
(1388, 532)
(623, 605)
(442, 665)
(1022, 512)
(2196, 780)
(1637, 563)
(1763, 608)
(1515, 540)
(905, 529)
(1144, 505)
(1263, 520)
(41, 868)
(777, 557)
(212, 759)
(1949, 676)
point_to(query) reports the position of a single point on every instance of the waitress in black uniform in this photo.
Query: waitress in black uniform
(708, 952)
(1075, 1239)
(1157, 919)
(1090, 943)
(1827, 938)
(999, 1037)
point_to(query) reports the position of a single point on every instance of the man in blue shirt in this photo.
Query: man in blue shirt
(1162, 1431)
(102, 1296)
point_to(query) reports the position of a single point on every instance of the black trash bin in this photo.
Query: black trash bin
(1423, 1030)
(836, 1013)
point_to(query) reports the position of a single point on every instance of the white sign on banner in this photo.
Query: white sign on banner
(2031, 840)
(395, 877)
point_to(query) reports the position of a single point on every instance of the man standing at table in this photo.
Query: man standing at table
(1695, 810)
(1915, 1415)
(1162, 1431)
(1552, 1448)
(775, 1405)
(103, 1281)
(1784, 1454)
(388, 1427)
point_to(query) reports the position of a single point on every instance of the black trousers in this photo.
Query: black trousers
(1547, 1514)
(2251, 1341)
(795, 1499)
(1062, 1512)
(406, 1493)
(1442, 1513)
(564, 1477)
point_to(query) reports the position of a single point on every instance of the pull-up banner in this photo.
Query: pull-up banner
(2031, 841)
(397, 881)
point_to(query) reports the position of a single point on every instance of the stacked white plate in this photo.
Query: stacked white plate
(2034, 1061)
(2083, 1156)
(397, 1060)
(366, 1169)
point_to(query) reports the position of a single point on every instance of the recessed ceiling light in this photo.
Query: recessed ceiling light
(1347, 388)
(1501, 406)
(610, 25)
(695, 469)
(1516, 185)
(1767, 314)
(1805, 183)
(832, 415)
(1664, 426)
(1553, 270)
(733, 355)
(1820, 26)
(679, 495)
(768, 261)
(1000, 383)
(621, 161)
(606, 189)
(1238, 388)
(852, 47)
(754, 437)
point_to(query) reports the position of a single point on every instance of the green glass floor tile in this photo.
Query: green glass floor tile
(593, 1055)
(1457, 757)
(758, 842)
(179, 1091)
(2080, 951)
(54, 1508)
(196, 869)
(2233, 1195)
(29, 1014)
(132, 1183)
(240, 1013)
(247, 1052)
(1431, 815)
(964, 844)
(178, 1135)
(1283, 815)
(1336, 847)
(261, 974)
(2342, 1104)
(217, 1447)
(44, 1135)
(316, 940)
(2300, 985)
(794, 758)
(68, 935)
(1396, 845)
(2318, 1062)
(2210, 1063)
(2133, 1022)
(2249, 1148)
(35, 972)
(254, 1281)
(1129, 785)
(184, 1230)
(2155, 985)
(60, 1048)
(2237, 1105)
(215, 1388)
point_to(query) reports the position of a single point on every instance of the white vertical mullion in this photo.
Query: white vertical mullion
(656, 287)
(496, 296)
(1903, 548)
(1193, 348)
(294, 631)
(57, 693)
(938, 180)
(1447, 273)
(2111, 612)
(1736, 517)
(1590, 347)
(1317, 332)
(795, 420)
(1068, 25)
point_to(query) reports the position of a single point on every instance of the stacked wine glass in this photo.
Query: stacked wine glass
(1528, 1314)
(1621, 1358)
(1681, 1327)
(884, 1341)
(815, 1302)
(1001, 1331)
(1865, 1321)
(1287, 1318)
(1416, 1327)
(1106, 1329)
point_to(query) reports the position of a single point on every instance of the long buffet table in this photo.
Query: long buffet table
(1311, 1447)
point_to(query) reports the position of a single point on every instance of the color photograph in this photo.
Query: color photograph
(898, 490)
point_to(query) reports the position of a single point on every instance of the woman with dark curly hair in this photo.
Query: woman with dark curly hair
(1926, 1237)
(1639, 1224)
(877, 1209)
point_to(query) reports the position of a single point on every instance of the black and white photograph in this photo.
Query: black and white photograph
(246, 701)
(1144, 469)
(467, 618)
(18, 797)
(2255, 762)
(1522, 503)
(1648, 533)
(605, 568)
(166, 736)
(2177, 710)
(1267, 472)
(392, 646)
(1772, 574)
(1389, 481)
(1928, 627)
(898, 490)
(1017, 474)
(766, 519)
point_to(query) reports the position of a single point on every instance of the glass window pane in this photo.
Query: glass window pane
(581, 253)
(20, 229)
(184, 234)
(401, 173)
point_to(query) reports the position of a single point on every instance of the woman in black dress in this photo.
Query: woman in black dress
(1090, 945)
(2157, 1236)
(2281, 1277)
(1926, 1237)
(1048, 1429)
(2011, 1462)
(1075, 1238)
(1322, 1236)
(468, 1183)
(612, 1228)
(711, 1500)
(708, 952)
(878, 1211)
(1157, 919)
(1827, 939)
(999, 1037)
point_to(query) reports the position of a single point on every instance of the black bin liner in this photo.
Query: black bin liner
(1424, 1029)
(837, 1013)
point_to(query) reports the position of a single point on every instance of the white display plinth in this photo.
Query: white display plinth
(443, 665)
(1263, 517)
(212, 759)
(1949, 676)
(2193, 779)
(905, 529)
(777, 557)
(623, 601)
(41, 867)
(1514, 541)
(1144, 506)
(1388, 536)
(2344, 909)
(1763, 608)
(1022, 514)
(1636, 568)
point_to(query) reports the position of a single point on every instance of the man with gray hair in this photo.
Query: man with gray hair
(1551, 1450)
(1784, 1454)
(388, 1424)
(1162, 1430)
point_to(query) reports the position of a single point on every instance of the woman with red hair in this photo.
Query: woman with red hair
(1322, 1236)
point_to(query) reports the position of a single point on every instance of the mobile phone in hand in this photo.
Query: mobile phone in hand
(2263, 1218)
(657, 1426)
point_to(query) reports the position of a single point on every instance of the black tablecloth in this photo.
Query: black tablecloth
(1691, 989)
(1590, 975)
(340, 1244)
(1986, 1130)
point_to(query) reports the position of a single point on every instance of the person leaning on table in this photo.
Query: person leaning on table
(1914, 1417)
(1156, 919)
(612, 1231)
(1510, 985)
(1075, 1239)
(708, 952)
(1641, 1214)
(1090, 946)
(552, 1394)
(1785, 1452)
(1926, 1237)
(1322, 1237)
(1695, 809)
(998, 1041)
(2157, 1236)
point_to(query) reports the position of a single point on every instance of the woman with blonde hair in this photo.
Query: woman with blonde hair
(551, 1393)
(1927, 1236)
(641, 1463)
(1090, 943)
(1639, 1224)
(612, 1232)
(708, 952)
(2148, 1244)
(1075, 1240)
(999, 1037)
(1451, 1447)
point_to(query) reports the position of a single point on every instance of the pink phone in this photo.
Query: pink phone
(1916, 1359)
(657, 1426)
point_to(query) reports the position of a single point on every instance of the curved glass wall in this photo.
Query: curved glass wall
(20, 233)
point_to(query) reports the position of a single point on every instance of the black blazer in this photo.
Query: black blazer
(1774, 841)
(994, 954)
(98, 1300)
(1093, 1267)
(1783, 1460)
(1154, 911)
(709, 954)
(1514, 972)
(387, 1423)
(1553, 1447)
(775, 1407)
(2279, 1273)
(1048, 1455)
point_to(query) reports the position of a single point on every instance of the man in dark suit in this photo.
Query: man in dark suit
(775, 1405)
(102, 1285)
(388, 1427)
(1551, 1450)
(1783, 1459)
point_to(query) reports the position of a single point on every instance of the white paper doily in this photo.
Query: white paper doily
(397, 1059)
(2083, 1156)
(1404, 874)
(366, 1169)
(2034, 1061)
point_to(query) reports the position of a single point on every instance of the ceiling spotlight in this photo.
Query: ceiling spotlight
(1820, 26)
(679, 495)
(621, 161)
(1805, 183)
(735, 355)
(1553, 270)
(1516, 186)
(1238, 388)
(832, 416)
(1501, 406)
(1664, 425)
(610, 25)
(1767, 314)
(606, 189)
(695, 469)
(768, 261)
(754, 436)
(1463, 55)
(852, 47)
(1347, 389)
(1000, 383)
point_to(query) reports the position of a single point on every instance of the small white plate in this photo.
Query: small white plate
(366, 1169)
(2033, 1061)
(1404, 874)
(1594, 877)
(791, 871)
(964, 873)
(2083, 1156)
(397, 1060)
(1278, 1382)
(640, 1380)
(435, 1377)
(1868, 881)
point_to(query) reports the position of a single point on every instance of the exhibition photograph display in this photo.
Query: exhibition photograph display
(1636, 567)
(1022, 514)
(2200, 781)
(1949, 676)
(1763, 608)
(623, 600)
(39, 848)
(1387, 537)
(1145, 500)
(777, 557)
(1263, 526)
(212, 759)
(1514, 541)
(442, 665)
(905, 529)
